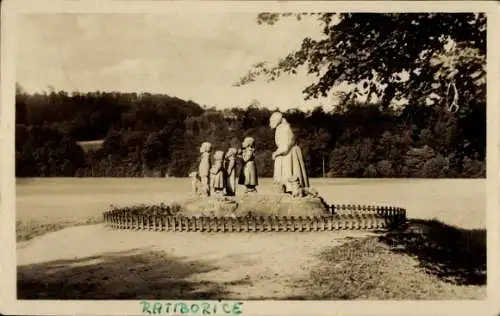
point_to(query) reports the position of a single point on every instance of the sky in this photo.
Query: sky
(190, 56)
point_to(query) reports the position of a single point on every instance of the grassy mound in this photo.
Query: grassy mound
(238, 206)
(27, 230)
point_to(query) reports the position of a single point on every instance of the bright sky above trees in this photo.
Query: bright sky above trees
(200, 56)
(196, 57)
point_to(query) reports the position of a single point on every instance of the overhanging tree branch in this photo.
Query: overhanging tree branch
(355, 46)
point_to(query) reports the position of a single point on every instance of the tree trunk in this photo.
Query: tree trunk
(323, 165)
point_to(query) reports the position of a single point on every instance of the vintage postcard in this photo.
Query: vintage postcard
(249, 158)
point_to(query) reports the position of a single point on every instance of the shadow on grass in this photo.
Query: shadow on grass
(427, 260)
(131, 275)
(453, 254)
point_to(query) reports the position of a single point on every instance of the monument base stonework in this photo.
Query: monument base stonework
(254, 212)
(255, 205)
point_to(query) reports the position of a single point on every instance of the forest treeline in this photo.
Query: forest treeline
(159, 135)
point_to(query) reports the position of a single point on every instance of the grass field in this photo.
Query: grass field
(84, 262)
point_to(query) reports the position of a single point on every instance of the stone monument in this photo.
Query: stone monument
(248, 176)
(216, 207)
(214, 185)
(204, 169)
(218, 175)
(230, 166)
(289, 164)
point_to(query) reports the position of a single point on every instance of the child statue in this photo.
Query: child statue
(217, 174)
(204, 168)
(248, 176)
(295, 188)
(230, 167)
(195, 183)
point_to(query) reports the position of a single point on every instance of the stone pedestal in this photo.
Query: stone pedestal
(255, 205)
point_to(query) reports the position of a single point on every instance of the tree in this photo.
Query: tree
(162, 134)
(375, 51)
(46, 151)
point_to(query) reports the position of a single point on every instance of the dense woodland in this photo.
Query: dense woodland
(159, 135)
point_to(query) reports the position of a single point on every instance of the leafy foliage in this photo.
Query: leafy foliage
(45, 151)
(158, 135)
(374, 51)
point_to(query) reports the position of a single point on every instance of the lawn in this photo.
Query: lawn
(425, 261)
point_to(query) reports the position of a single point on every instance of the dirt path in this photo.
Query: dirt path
(97, 262)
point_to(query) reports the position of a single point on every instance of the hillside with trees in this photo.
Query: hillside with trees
(399, 120)
(159, 135)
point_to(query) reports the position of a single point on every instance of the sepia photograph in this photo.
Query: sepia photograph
(250, 155)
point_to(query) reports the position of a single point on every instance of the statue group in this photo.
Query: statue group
(218, 175)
